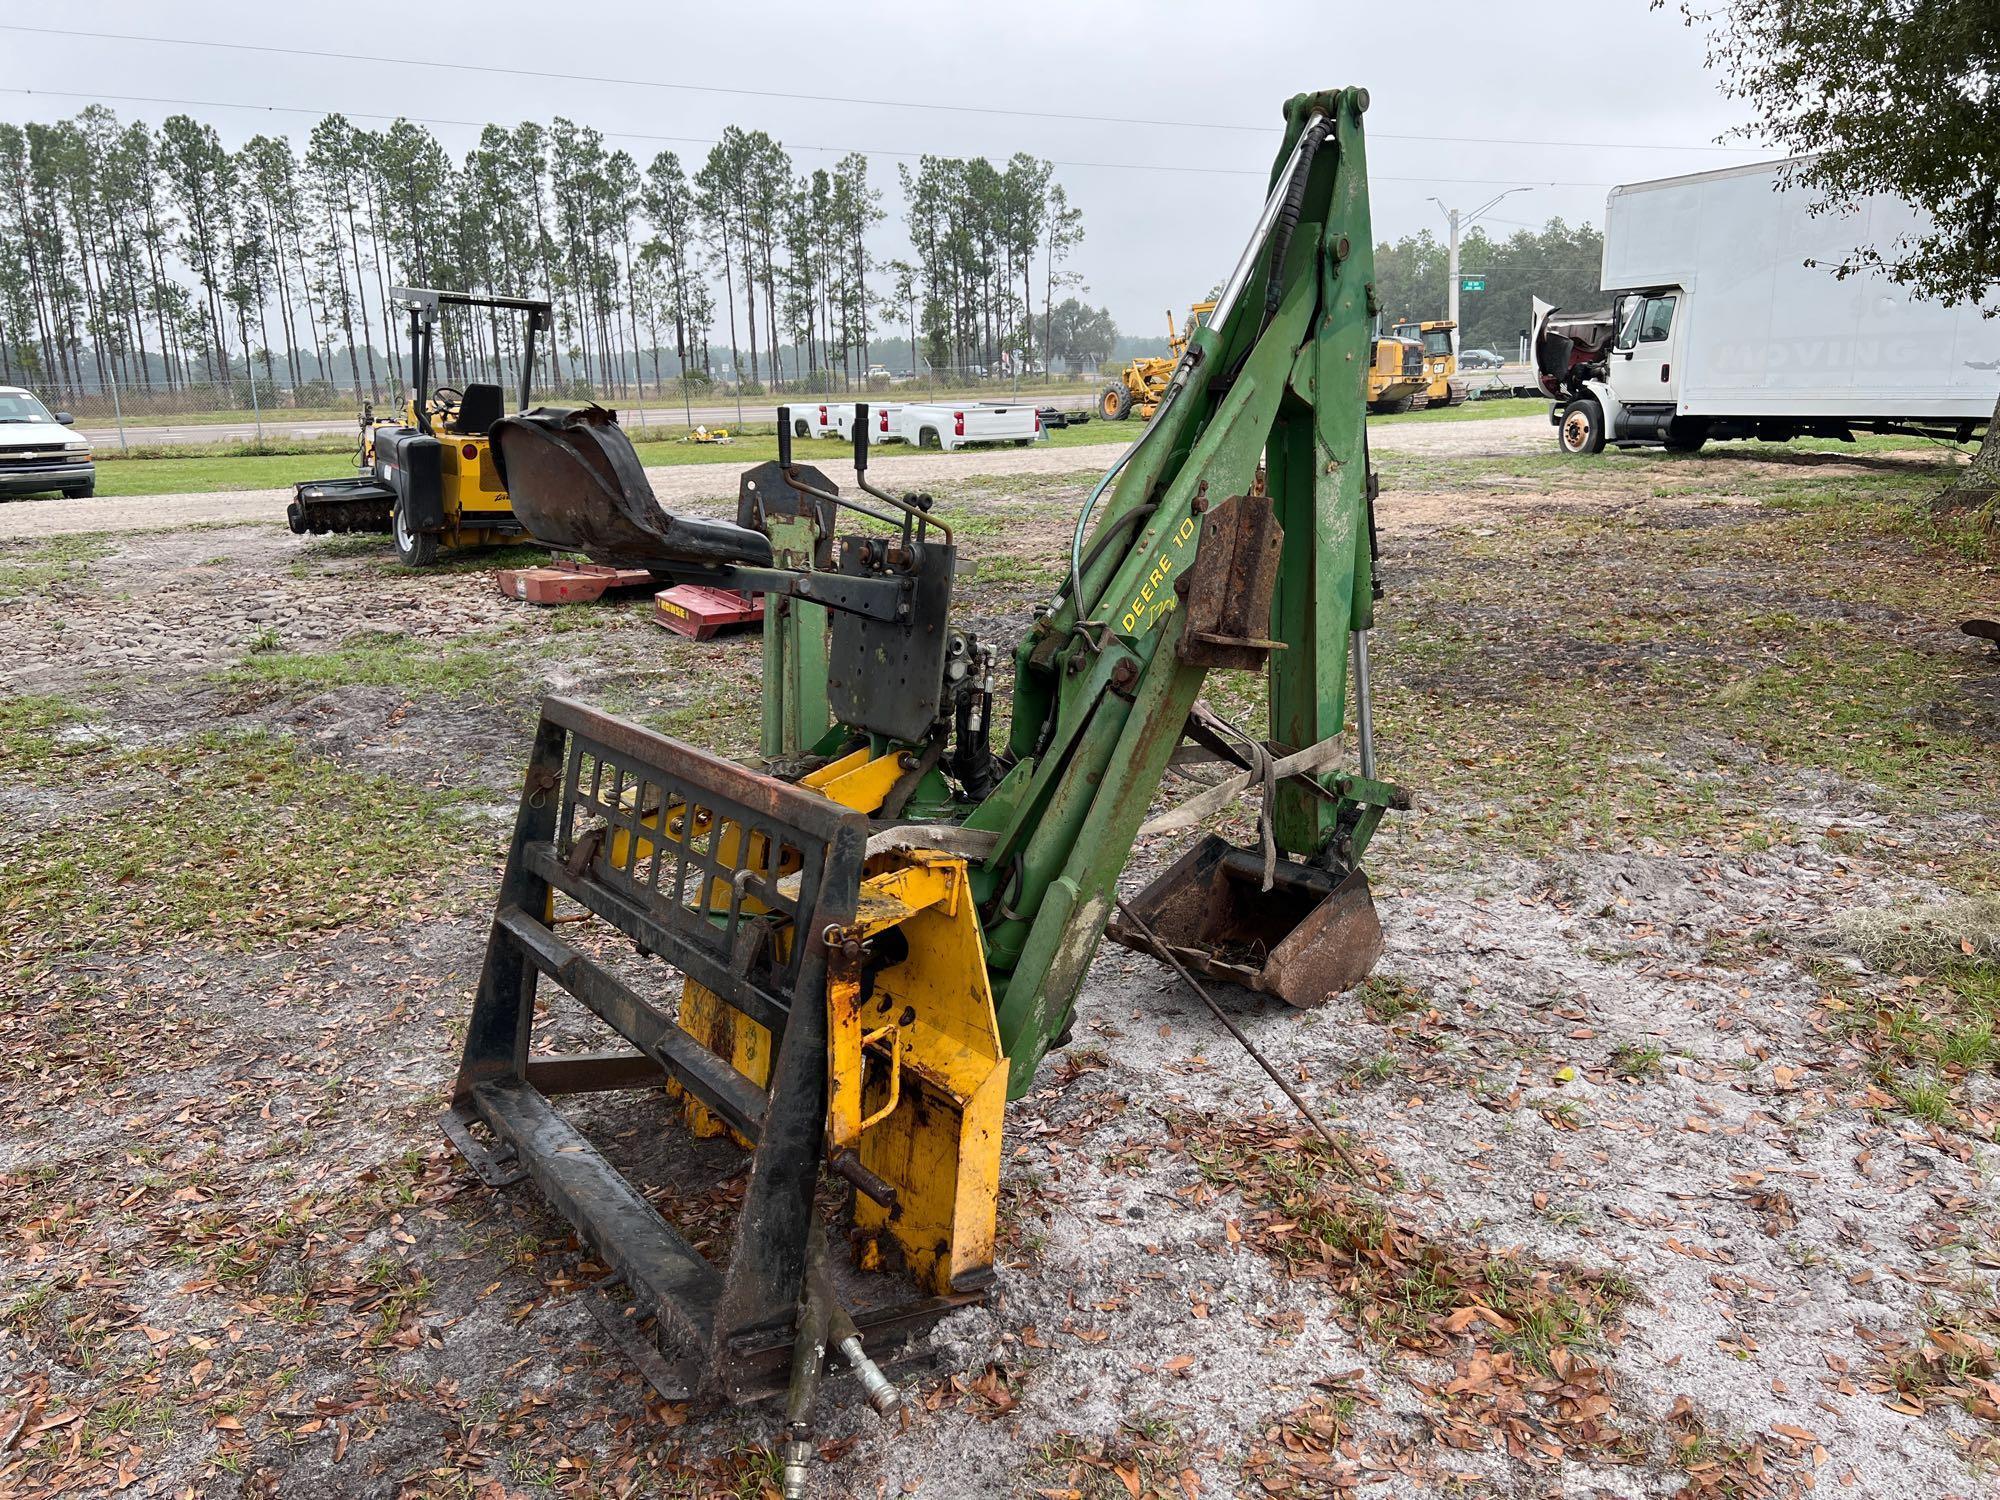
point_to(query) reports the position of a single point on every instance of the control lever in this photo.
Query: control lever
(912, 509)
(785, 438)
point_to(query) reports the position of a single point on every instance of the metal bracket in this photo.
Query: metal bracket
(672, 1382)
(492, 1164)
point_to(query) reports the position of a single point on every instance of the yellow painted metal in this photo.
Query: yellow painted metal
(916, 1078)
(931, 1127)
(473, 497)
(1145, 379)
(703, 1014)
(1442, 386)
(856, 780)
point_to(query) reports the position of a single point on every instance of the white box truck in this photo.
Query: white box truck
(1727, 321)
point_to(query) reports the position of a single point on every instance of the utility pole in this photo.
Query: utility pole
(1458, 221)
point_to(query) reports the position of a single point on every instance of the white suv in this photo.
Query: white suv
(36, 453)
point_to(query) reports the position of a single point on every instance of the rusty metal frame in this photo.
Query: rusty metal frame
(701, 863)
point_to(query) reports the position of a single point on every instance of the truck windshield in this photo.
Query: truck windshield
(19, 406)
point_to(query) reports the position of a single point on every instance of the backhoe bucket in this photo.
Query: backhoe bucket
(577, 485)
(1307, 939)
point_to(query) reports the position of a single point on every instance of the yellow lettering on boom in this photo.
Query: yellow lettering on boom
(1153, 599)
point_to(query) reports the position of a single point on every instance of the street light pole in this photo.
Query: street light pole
(1451, 298)
(1458, 221)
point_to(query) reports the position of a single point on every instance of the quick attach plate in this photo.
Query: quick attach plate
(888, 675)
(767, 491)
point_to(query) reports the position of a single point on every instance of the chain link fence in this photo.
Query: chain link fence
(141, 415)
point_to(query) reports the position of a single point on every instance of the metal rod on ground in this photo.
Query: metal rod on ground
(1236, 1031)
(1364, 704)
(118, 411)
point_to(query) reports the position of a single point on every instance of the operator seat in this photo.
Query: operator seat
(479, 407)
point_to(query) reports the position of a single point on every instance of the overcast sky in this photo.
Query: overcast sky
(1565, 99)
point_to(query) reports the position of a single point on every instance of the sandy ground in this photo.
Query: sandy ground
(1610, 1042)
(701, 483)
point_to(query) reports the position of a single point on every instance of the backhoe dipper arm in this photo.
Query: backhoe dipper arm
(1105, 682)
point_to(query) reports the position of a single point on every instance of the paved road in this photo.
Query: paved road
(756, 411)
(693, 485)
(277, 427)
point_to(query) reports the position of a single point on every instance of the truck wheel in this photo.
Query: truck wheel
(1582, 429)
(800, 428)
(1685, 435)
(1114, 402)
(417, 549)
(81, 491)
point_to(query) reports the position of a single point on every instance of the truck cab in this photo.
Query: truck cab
(1614, 375)
(1442, 385)
(1642, 355)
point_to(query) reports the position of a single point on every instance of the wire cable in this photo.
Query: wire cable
(790, 95)
(697, 140)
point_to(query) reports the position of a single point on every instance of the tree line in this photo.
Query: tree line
(1559, 263)
(157, 258)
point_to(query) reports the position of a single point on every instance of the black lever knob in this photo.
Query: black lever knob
(861, 437)
(784, 437)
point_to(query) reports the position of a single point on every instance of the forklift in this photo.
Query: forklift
(427, 477)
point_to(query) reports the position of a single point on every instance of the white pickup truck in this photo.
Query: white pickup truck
(825, 419)
(952, 425)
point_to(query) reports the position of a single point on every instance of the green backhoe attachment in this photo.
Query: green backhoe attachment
(874, 940)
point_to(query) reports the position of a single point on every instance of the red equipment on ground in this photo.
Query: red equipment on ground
(694, 609)
(562, 582)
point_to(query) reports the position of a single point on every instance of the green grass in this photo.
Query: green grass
(234, 838)
(1554, 679)
(377, 659)
(280, 463)
(1637, 1060)
(1472, 411)
(193, 470)
(28, 730)
(36, 567)
(132, 477)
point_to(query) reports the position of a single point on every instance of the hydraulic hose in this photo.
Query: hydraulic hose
(1288, 190)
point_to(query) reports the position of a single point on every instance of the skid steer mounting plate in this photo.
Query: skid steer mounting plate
(735, 880)
(1307, 939)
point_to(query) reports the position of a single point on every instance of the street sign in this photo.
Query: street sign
(1472, 284)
